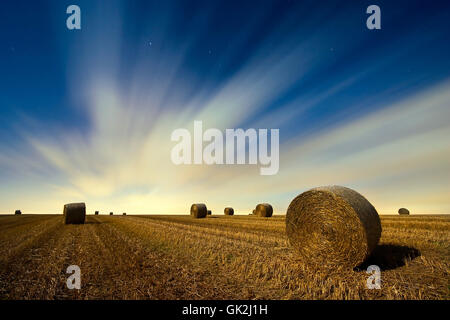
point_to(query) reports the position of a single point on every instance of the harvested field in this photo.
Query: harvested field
(178, 257)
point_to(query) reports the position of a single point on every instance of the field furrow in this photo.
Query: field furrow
(250, 272)
(178, 257)
(253, 238)
(19, 238)
(35, 271)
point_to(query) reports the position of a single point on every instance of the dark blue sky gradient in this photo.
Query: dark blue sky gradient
(40, 60)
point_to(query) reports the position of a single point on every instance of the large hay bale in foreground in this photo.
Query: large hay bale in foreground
(17, 212)
(264, 210)
(199, 210)
(209, 212)
(403, 211)
(332, 226)
(228, 211)
(74, 213)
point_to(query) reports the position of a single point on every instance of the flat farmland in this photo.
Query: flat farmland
(219, 257)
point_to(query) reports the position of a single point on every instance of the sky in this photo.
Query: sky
(87, 115)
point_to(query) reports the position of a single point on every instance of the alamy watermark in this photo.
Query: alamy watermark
(231, 148)
(73, 22)
(374, 281)
(373, 22)
(74, 280)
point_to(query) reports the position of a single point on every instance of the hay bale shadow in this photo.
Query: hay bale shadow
(389, 256)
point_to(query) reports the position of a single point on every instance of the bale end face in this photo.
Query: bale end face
(228, 211)
(74, 213)
(332, 227)
(403, 211)
(264, 210)
(199, 210)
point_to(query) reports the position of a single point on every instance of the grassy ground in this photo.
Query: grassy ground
(220, 257)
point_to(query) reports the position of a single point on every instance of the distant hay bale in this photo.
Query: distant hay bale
(403, 211)
(332, 226)
(209, 212)
(96, 213)
(199, 210)
(263, 210)
(124, 214)
(74, 213)
(228, 211)
(111, 213)
(17, 212)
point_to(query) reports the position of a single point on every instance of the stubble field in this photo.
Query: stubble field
(220, 257)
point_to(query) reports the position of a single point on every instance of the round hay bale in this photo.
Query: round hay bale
(253, 212)
(264, 210)
(96, 213)
(228, 211)
(403, 211)
(332, 226)
(74, 213)
(209, 212)
(199, 210)
(124, 214)
(111, 213)
(17, 212)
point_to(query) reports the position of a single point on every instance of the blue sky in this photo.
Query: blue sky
(86, 115)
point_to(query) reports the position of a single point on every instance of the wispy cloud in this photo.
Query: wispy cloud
(118, 159)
